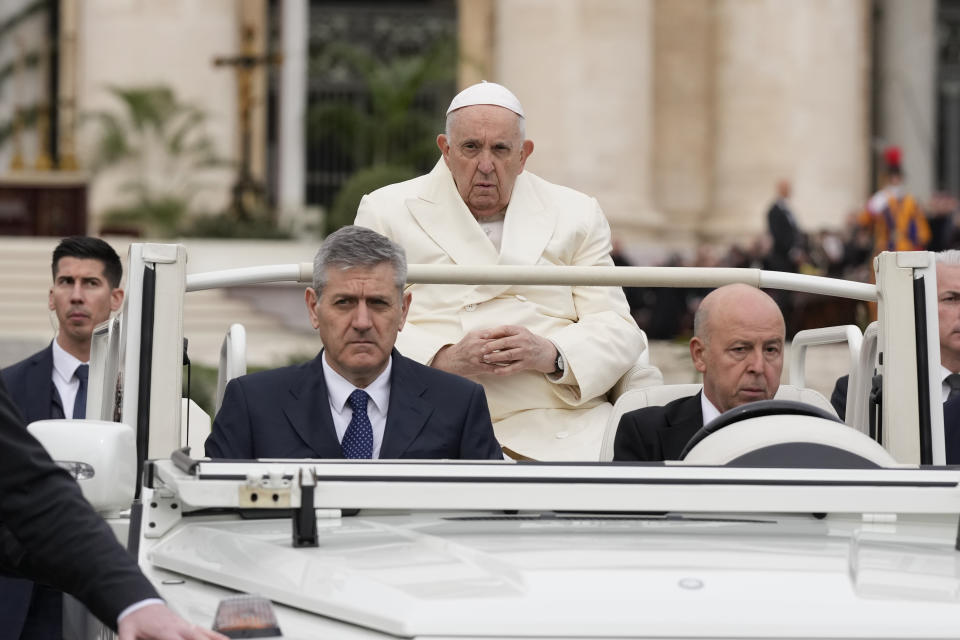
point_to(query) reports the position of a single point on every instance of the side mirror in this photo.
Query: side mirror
(101, 456)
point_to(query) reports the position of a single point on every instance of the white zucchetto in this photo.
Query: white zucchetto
(486, 93)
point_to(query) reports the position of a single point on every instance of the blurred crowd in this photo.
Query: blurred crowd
(841, 253)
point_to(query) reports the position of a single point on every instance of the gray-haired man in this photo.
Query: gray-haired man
(359, 398)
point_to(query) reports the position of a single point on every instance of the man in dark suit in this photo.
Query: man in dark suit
(52, 384)
(783, 230)
(52, 535)
(951, 429)
(948, 315)
(738, 347)
(359, 398)
(85, 290)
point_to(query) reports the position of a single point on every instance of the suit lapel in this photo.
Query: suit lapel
(40, 376)
(527, 227)
(408, 411)
(683, 420)
(308, 410)
(442, 214)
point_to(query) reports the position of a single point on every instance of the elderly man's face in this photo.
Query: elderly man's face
(948, 304)
(485, 153)
(358, 316)
(742, 358)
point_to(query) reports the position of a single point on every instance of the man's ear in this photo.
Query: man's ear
(116, 298)
(526, 150)
(443, 144)
(407, 297)
(310, 297)
(697, 348)
(50, 303)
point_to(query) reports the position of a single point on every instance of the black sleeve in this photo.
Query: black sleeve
(633, 440)
(49, 532)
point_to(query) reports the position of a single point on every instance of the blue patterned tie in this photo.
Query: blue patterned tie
(80, 401)
(358, 438)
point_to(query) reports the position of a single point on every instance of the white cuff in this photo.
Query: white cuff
(136, 606)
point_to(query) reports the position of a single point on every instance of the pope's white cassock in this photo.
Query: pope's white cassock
(534, 414)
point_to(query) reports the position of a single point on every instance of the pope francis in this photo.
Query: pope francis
(546, 355)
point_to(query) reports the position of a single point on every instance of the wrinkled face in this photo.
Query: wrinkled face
(948, 304)
(742, 358)
(82, 297)
(358, 316)
(485, 153)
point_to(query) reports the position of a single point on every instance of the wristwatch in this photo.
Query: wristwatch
(559, 366)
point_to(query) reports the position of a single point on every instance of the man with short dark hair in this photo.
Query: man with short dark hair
(738, 347)
(359, 398)
(52, 383)
(85, 290)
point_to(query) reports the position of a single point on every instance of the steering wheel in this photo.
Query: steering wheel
(756, 409)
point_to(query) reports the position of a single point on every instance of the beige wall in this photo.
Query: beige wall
(680, 116)
(582, 71)
(790, 99)
(173, 42)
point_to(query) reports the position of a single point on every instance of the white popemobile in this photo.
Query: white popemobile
(777, 525)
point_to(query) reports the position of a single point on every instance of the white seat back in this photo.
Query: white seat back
(233, 360)
(659, 396)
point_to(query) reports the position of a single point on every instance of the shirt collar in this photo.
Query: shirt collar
(64, 363)
(706, 407)
(339, 388)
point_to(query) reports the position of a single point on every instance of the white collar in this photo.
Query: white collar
(339, 388)
(706, 407)
(64, 363)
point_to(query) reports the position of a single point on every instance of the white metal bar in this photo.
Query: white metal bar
(246, 275)
(485, 486)
(558, 275)
(847, 333)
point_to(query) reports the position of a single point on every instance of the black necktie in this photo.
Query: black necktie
(358, 438)
(80, 401)
(953, 381)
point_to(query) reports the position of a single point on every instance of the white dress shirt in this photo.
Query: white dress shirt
(338, 394)
(64, 367)
(706, 407)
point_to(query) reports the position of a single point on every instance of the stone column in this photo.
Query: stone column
(683, 113)
(291, 153)
(907, 87)
(790, 102)
(582, 70)
(475, 34)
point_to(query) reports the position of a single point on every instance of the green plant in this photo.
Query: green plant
(344, 208)
(158, 144)
(393, 129)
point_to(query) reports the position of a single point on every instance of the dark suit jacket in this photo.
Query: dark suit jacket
(785, 235)
(951, 429)
(839, 396)
(49, 532)
(30, 384)
(658, 433)
(285, 413)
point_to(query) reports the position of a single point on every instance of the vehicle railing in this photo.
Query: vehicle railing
(686, 277)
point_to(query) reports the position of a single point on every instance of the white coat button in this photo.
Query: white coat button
(470, 307)
(521, 298)
(561, 435)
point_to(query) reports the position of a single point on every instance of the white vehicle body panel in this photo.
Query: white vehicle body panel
(501, 550)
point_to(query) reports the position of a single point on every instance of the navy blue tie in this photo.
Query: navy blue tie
(358, 438)
(80, 401)
(953, 381)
